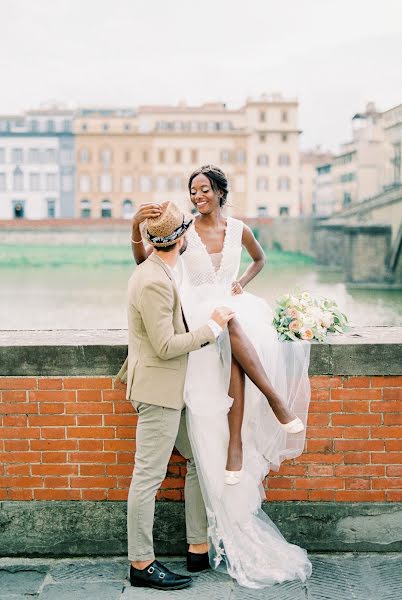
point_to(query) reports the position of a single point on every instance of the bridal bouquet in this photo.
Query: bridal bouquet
(301, 316)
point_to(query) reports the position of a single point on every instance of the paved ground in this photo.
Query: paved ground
(335, 577)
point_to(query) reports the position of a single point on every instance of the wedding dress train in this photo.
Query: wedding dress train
(243, 540)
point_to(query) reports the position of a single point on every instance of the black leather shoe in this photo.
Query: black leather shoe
(197, 562)
(159, 577)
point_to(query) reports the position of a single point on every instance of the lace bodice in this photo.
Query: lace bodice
(199, 266)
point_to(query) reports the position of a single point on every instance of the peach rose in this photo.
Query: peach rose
(307, 334)
(292, 312)
(295, 325)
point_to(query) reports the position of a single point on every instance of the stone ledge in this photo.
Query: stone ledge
(362, 351)
(84, 528)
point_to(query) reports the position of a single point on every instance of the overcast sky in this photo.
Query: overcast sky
(333, 55)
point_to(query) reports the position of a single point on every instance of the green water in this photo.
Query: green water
(84, 287)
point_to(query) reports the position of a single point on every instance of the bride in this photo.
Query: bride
(246, 397)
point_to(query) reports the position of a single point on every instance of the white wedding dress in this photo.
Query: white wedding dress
(243, 540)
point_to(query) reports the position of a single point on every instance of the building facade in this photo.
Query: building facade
(308, 186)
(37, 165)
(126, 157)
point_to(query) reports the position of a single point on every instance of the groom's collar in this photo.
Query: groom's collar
(155, 258)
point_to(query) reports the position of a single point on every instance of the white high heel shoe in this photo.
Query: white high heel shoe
(233, 477)
(295, 426)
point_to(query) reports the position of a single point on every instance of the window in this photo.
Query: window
(241, 156)
(106, 209)
(127, 156)
(177, 182)
(284, 137)
(262, 137)
(51, 182)
(225, 156)
(51, 208)
(262, 160)
(262, 184)
(50, 155)
(33, 155)
(284, 160)
(106, 157)
(66, 183)
(127, 184)
(145, 156)
(347, 199)
(284, 116)
(283, 211)
(161, 183)
(284, 183)
(83, 155)
(3, 182)
(177, 156)
(66, 156)
(50, 125)
(85, 183)
(105, 126)
(161, 156)
(18, 209)
(262, 211)
(194, 156)
(18, 180)
(145, 183)
(263, 116)
(34, 182)
(34, 125)
(346, 177)
(84, 127)
(66, 125)
(128, 210)
(105, 183)
(85, 207)
(127, 126)
(2, 155)
(17, 155)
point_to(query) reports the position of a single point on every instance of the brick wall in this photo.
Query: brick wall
(73, 438)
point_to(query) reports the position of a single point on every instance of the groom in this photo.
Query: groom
(159, 343)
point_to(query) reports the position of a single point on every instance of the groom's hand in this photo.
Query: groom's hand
(222, 315)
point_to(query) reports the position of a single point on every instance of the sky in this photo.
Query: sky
(334, 56)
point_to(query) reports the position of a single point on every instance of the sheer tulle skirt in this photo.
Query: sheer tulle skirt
(243, 540)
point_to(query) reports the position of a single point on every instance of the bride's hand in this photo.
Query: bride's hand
(236, 288)
(145, 211)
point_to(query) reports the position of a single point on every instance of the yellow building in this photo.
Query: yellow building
(127, 157)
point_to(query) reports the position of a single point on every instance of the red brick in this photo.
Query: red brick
(321, 458)
(16, 445)
(352, 483)
(392, 394)
(356, 458)
(362, 433)
(98, 470)
(394, 471)
(60, 494)
(20, 494)
(52, 433)
(128, 420)
(51, 420)
(393, 495)
(392, 445)
(123, 408)
(54, 445)
(92, 482)
(12, 397)
(320, 395)
(287, 469)
(386, 458)
(356, 445)
(15, 420)
(386, 406)
(320, 470)
(386, 432)
(359, 496)
(393, 419)
(325, 407)
(318, 419)
(92, 457)
(279, 483)
(55, 482)
(50, 384)
(355, 406)
(320, 483)
(356, 419)
(325, 381)
(115, 395)
(53, 469)
(98, 494)
(95, 445)
(124, 433)
(119, 445)
(356, 382)
(387, 381)
(91, 432)
(287, 495)
(325, 432)
(318, 495)
(126, 457)
(387, 483)
(175, 495)
(20, 482)
(359, 470)
(83, 408)
(18, 383)
(19, 432)
(87, 383)
(89, 420)
(126, 470)
(356, 394)
(16, 469)
(320, 445)
(51, 408)
(24, 408)
(52, 396)
(54, 457)
(89, 395)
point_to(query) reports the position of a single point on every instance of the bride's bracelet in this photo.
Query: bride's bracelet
(134, 242)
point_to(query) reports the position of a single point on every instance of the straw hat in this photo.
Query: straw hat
(169, 227)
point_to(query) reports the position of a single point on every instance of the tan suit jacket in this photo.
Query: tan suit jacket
(158, 340)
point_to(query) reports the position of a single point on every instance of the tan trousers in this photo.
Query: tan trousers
(159, 429)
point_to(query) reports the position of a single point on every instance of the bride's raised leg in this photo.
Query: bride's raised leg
(247, 357)
(235, 417)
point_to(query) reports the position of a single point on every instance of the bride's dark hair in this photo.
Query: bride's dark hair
(217, 178)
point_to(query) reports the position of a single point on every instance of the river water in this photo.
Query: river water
(77, 288)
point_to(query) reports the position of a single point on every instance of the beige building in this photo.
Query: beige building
(309, 161)
(392, 123)
(127, 157)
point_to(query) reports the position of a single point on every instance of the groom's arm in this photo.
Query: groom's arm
(156, 308)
